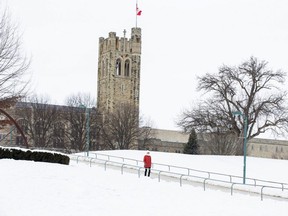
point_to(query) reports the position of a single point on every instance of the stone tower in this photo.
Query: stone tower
(119, 70)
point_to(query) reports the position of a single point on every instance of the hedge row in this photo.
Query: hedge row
(39, 156)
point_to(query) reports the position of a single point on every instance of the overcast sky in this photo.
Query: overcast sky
(181, 39)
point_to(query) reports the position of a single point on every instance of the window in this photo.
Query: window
(106, 67)
(58, 135)
(19, 141)
(127, 68)
(118, 67)
(24, 126)
(103, 69)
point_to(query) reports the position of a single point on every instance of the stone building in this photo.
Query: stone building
(119, 64)
(164, 141)
(174, 141)
(268, 148)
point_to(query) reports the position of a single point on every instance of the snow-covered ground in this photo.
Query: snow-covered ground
(33, 188)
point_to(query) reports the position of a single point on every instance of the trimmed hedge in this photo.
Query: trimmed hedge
(39, 156)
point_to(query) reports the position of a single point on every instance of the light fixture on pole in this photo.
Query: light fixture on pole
(87, 120)
(245, 142)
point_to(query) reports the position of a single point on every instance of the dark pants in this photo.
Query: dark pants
(149, 171)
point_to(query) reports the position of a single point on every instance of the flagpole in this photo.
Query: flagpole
(136, 11)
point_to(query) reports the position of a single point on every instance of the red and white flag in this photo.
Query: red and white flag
(138, 12)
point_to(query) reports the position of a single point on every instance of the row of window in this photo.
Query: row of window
(265, 148)
(126, 68)
(121, 68)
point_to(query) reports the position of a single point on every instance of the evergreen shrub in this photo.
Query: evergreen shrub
(39, 156)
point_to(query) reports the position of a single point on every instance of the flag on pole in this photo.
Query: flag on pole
(138, 12)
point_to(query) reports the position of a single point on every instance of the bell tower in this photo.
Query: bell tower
(119, 64)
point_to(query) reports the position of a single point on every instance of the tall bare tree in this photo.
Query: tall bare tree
(40, 120)
(13, 64)
(221, 143)
(120, 129)
(80, 114)
(252, 89)
(146, 134)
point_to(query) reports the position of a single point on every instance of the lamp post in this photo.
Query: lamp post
(245, 142)
(87, 120)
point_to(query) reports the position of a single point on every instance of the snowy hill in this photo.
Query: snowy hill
(31, 188)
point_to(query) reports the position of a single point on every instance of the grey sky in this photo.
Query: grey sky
(182, 39)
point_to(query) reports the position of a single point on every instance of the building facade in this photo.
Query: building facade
(174, 141)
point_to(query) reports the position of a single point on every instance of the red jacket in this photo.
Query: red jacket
(147, 161)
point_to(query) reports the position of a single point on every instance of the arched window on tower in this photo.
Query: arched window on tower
(103, 69)
(118, 67)
(127, 68)
(106, 67)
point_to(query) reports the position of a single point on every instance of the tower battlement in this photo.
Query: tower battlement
(121, 44)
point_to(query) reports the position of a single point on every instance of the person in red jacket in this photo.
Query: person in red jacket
(147, 164)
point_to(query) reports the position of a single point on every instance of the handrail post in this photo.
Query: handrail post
(122, 168)
(262, 193)
(77, 159)
(232, 188)
(204, 183)
(181, 180)
(105, 164)
(159, 176)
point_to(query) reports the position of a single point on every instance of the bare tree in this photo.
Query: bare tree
(80, 112)
(221, 143)
(146, 134)
(13, 64)
(40, 121)
(120, 129)
(251, 89)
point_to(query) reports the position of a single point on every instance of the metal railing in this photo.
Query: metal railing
(225, 180)
(207, 174)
